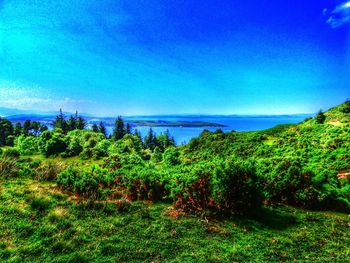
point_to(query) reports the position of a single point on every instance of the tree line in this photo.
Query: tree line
(9, 132)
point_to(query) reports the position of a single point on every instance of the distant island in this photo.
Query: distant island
(162, 123)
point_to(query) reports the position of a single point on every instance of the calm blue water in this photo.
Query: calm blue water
(237, 123)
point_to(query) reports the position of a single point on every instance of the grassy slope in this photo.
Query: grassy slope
(40, 223)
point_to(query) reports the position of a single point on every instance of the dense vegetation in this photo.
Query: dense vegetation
(87, 174)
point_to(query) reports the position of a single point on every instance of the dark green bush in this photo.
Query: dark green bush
(67, 178)
(55, 145)
(227, 186)
(85, 183)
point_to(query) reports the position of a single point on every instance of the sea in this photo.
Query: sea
(183, 135)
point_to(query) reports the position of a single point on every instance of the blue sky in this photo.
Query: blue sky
(173, 57)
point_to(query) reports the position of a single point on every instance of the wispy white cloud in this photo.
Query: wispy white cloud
(29, 97)
(339, 16)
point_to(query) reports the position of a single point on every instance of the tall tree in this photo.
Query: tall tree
(102, 129)
(94, 127)
(60, 122)
(6, 132)
(150, 141)
(26, 127)
(72, 123)
(35, 128)
(81, 123)
(169, 140)
(43, 128)
(119, 129)
(128, 129)
(17, 131)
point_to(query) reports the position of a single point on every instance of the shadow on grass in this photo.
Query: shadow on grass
(265, 217)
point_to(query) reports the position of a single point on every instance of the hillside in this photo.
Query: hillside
(77, 196)
(308, 154)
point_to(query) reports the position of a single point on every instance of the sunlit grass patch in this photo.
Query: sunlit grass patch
(58, 213)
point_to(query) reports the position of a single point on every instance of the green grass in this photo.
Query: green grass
(38, 223)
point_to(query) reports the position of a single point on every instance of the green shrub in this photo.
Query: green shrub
(67, 178)
(49, 171)
(10, 153)
(227, 186)
(26, 170)
(86, 183)
(27, 145)
(172, 156)
(55, 145)
(8, 167)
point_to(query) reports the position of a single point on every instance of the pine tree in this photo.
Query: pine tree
(17, 129)
(94, 127)
(119, 129)
(35, 127)
(102, 129)
(81, 123)
(60, 122)
(26, 127)
(6, 132)
(43, 128)
(169, 140)
(72, 123)
(128, 129)
(150, 141)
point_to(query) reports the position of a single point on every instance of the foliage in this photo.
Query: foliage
(320, 117)
(220, 186)
(54, 143)
(10, 153)
(299, 164)
(85, 183)
(49, 171)
(172, 156)
(8, 167)
(6, 133)
(346, 107)
(75, 122)
(26, 145)
(119, 129)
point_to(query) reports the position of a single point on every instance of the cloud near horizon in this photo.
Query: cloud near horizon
(29, 97)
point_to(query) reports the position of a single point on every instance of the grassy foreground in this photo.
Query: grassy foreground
(40, 223)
